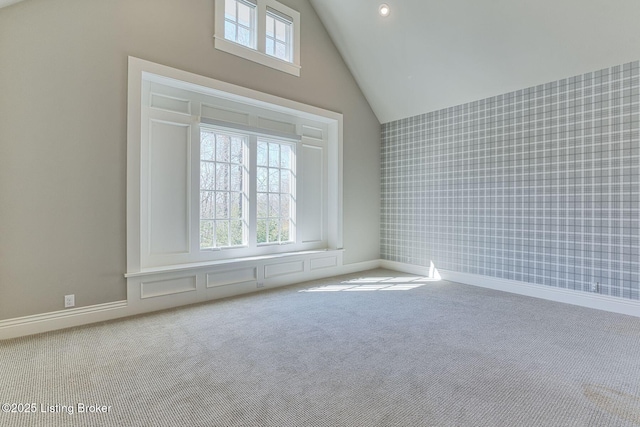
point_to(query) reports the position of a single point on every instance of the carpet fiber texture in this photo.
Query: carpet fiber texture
(378, 348)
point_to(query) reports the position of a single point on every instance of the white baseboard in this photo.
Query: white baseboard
(567, 296)
(404, 268)
(45, 322)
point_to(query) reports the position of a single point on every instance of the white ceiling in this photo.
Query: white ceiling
(432, 54)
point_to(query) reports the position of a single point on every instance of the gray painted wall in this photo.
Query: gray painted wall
(63, 74)
(541, 185)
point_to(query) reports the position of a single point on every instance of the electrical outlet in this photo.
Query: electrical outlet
(260, 285)
(595, 287)
(69, 301)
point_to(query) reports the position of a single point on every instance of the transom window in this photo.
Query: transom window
(263, 31)
(240, 22)
(278, 35)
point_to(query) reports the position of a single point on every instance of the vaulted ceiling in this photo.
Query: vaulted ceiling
(432, 54)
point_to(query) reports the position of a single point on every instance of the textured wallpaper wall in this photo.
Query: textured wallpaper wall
(540, 185)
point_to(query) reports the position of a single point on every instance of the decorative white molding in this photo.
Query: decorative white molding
(38, 323)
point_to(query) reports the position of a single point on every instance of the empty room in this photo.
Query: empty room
(319, 213)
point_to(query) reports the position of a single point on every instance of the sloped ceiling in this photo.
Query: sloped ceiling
(432, 54)
(4, 3)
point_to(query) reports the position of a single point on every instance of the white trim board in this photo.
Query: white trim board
(567, 296)
(45, 322)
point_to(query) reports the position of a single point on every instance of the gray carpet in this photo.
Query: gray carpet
(337, 352)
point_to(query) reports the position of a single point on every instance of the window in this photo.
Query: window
(275, 180)
(263, 31)
(219, 177)
(226, 218)
(240, 22)
(223, 190)
(278, 35)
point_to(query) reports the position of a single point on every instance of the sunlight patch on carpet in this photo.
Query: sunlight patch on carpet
(368, 284)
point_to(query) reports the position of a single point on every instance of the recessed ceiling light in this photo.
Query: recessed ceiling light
(384, 9)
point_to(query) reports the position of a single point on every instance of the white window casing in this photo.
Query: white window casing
(168, 109)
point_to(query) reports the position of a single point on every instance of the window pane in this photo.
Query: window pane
(222, 205)
(261, 179)
(285, 182)
(284, 206)
(263, 202)
(261, 235)
(274, 205)
(229, 30)
(281, 31)
(285, 156)
(244, 36)
(274, 154)
(207, 145)
(236, 233)
(274, 180)
(236, 178)
(284, 230)
(206, 234)
(222, 148)
(270, 26)
(236, 206)
(244, 15)
(222, 176)
(261, 159)
(274, 231)
(230, 9)
(281, 51)
(207, 175)
(207, 205)
(270, 47)
(236, 150)
(222, 233)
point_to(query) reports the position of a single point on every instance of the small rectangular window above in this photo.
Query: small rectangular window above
(278, 35)
(240, 22)
(262, 31)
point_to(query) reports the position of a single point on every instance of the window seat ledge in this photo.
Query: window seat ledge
(226, 262)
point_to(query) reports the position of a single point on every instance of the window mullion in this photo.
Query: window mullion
(252, 190)
(261, 30)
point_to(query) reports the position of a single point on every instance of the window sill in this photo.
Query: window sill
(197, 265)
(256, 56)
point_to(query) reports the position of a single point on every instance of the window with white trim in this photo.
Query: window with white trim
(223, 190)
(275, 192)
(219, 175)
(263, 31)
(278, 35)
(240, 22)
